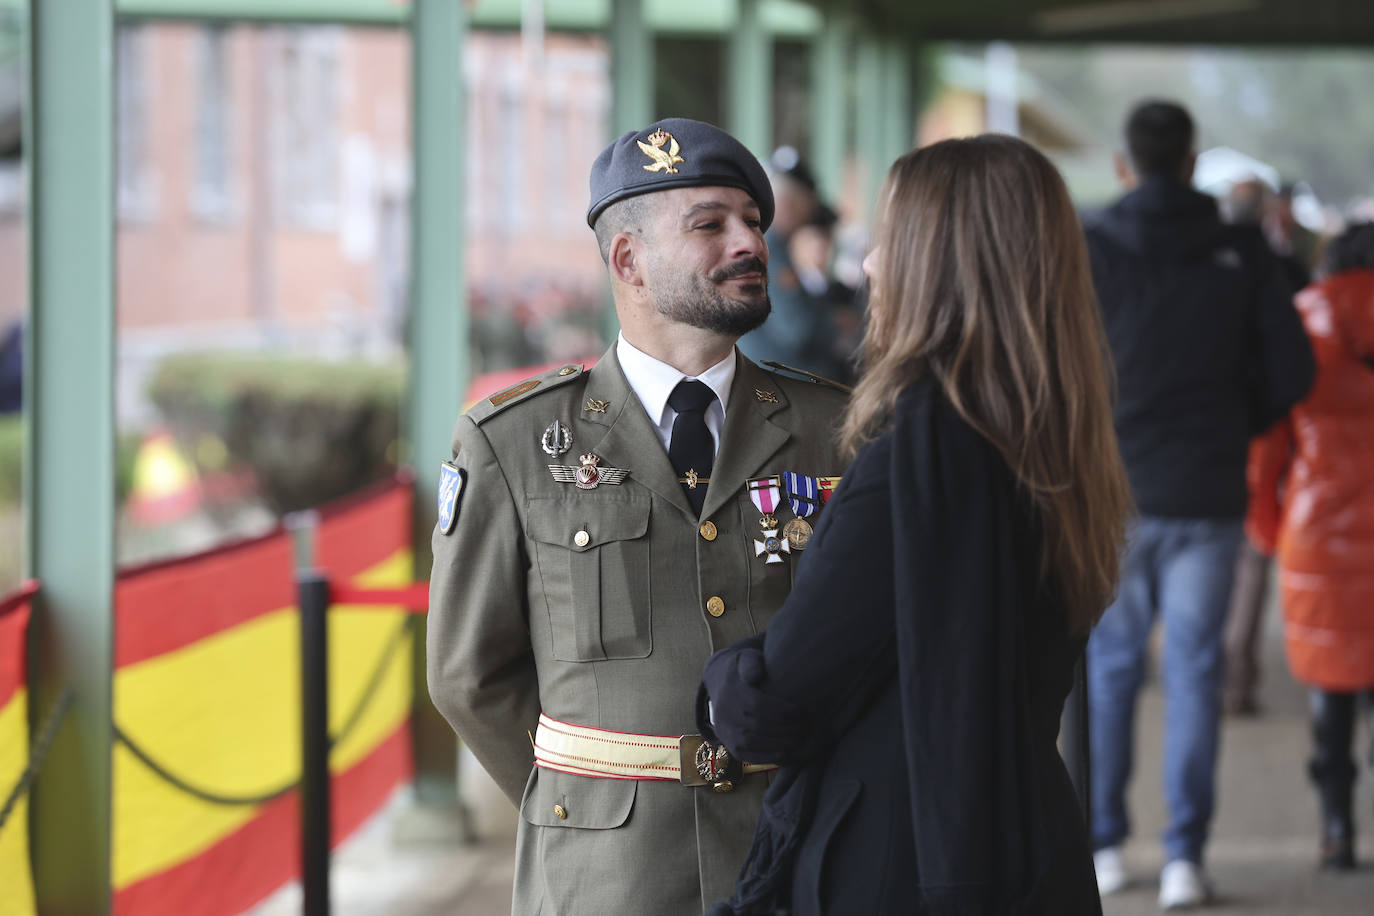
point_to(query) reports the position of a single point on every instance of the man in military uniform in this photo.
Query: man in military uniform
(603, 532)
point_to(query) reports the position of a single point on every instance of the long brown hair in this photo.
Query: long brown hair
(983, 284)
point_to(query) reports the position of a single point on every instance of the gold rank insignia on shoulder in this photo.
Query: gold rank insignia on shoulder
(595, 406)
(590, 475)
(766, 397)
(662, 161)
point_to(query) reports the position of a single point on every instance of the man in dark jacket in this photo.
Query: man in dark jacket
(1209, 352)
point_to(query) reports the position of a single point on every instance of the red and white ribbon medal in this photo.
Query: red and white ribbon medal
(766, 495)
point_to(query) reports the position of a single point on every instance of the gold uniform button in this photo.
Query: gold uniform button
(582, 539)
(715, 606)
(560, 812)
(566, 370)
(708, 530)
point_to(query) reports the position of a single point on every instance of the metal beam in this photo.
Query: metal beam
(829, 120)
(632, 94)
(750, 81)
(900, 121)
(438, 324)
(69, 460)
(870, 130)
(632, 67)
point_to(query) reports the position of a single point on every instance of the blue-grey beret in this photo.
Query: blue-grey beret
(676, 153)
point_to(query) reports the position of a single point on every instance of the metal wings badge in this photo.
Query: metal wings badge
(662, 161)
(590, 475)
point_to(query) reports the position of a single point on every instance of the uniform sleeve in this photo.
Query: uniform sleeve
(479, 663)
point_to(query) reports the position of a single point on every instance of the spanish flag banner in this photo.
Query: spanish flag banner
(16, 881)
(207, 710)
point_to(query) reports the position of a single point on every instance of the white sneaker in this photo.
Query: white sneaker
(1182, 886)
(1111, 870)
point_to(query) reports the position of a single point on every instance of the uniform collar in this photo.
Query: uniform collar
(653, 380)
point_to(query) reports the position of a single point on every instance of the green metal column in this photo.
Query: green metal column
(870, 128)
(900, 122)
(69, 459)
(632, 67)
(750, 81)
(438, 324)
(632, 94)
(829, 124)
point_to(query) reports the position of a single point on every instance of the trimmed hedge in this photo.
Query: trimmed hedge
(309, 431)
(12, 461)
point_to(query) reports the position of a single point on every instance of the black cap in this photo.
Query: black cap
(676, 153)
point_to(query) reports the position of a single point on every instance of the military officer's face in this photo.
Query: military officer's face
(707, 263)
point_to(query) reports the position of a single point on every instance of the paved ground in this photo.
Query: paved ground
(1261, 858)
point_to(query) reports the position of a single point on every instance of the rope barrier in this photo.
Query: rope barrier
(219, 798)
(47, 733)
(414, 597)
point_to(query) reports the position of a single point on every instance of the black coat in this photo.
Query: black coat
(1208, 348)
(911, 686)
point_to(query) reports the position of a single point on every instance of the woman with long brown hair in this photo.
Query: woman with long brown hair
(911, 686)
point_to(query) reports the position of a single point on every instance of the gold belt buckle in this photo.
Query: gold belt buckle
(704, 764)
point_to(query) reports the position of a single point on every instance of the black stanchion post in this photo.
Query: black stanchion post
(1073, 731)
(313, 593)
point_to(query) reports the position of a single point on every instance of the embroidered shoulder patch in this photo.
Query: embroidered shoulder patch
(452, 481)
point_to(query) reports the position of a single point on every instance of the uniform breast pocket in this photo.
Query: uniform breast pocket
(592, 553)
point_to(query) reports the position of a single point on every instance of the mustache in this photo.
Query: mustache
(739, 269)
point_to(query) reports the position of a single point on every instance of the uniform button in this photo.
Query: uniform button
(715, 606)
(566, 370)
(582, 539)
(708, 530)
(560, 812)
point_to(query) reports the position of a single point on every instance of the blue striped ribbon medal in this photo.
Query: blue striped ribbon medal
(804, 496)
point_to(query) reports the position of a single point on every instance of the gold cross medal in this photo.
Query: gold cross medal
(766, 493)
(590, 475)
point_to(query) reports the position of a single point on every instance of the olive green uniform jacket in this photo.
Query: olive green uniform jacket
(610, 630)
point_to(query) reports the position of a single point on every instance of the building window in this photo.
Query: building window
(135, 190)
(211, 197)
(307, 128)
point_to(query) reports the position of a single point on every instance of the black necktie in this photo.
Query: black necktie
(691, 449)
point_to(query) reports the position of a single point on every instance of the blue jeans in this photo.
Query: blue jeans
(1180, 572)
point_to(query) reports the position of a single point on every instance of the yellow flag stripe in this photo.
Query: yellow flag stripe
(16, 887)
(224, 714)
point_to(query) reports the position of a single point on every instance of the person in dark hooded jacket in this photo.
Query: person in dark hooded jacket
(1209, 352)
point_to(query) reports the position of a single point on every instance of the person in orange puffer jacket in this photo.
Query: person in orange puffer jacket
(1314, 491)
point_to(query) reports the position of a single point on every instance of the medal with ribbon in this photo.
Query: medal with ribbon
(766, 495)
(826, 486)
(803, 495)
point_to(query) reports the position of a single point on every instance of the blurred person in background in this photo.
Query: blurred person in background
(812, 252)
(1314, 492)
(800, 331)
(913, 681)
(12, 368)
(1208, 352)
(1251, 203)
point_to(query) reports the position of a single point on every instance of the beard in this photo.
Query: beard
(699, 302)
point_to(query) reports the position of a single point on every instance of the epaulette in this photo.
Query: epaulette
(810, 376)
(489, 407)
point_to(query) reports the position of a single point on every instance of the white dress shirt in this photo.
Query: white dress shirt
(653, 380)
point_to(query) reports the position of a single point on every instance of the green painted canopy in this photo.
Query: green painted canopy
(1266, 22)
